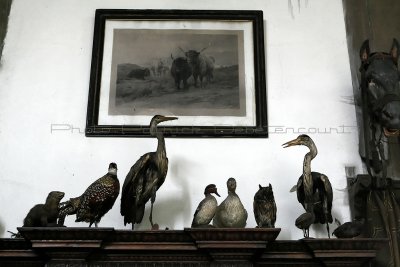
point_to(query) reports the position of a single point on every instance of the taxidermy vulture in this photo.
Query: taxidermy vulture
(95, 202)
(144, 178)
(264, 207)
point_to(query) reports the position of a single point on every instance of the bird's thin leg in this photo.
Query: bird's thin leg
(153, 198)
(327, 228)
(325, 206)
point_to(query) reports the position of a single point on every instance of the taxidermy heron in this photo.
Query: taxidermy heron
(144, 178)
(314, 190)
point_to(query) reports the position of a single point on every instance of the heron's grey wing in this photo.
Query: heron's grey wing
(327, 187)
(133, 183)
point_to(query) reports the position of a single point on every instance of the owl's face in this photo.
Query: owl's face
(265, 193)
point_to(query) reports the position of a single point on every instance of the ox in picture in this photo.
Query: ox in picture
(180, 72)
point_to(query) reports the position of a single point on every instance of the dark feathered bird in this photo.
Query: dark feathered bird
(264, 207)
(95, 202)
(207, 207)
(314, 190)
(145, 178)
(304, 222)
(349, 229)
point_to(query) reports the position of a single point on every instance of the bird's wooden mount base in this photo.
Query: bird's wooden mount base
(189, 247)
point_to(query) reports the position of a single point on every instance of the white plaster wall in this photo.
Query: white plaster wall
(44, 78)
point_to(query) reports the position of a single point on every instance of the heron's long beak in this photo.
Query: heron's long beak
(165, 118)
(294, 142)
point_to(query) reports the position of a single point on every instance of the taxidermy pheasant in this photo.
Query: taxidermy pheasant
(95, 202)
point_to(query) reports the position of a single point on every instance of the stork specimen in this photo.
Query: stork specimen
(144, 178)
(314, 190)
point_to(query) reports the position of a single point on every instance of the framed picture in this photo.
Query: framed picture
(206, 67)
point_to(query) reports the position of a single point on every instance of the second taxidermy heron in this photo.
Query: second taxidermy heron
(145, 178)
(314, 190)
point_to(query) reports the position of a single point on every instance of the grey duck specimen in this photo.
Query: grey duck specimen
(42, 215)
(144, 178)
(207, 207)
(304, 222)
(349, 229)
(314, 190)
(264, 207)
(95, 202)
(231, 212)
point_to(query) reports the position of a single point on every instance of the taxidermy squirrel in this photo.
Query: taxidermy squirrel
(43, 215)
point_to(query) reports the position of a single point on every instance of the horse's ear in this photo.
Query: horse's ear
(364, 51)
(395, 50)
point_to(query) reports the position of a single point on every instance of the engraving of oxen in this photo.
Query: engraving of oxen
(201, 64)
(180, 71)
(139, 73)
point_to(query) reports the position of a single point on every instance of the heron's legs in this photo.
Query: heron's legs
(325, 207)
(153, 198)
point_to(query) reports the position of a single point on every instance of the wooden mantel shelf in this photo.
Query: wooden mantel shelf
(189, 247)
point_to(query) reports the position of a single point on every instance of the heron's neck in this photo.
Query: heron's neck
(308, 181)
(161, 154)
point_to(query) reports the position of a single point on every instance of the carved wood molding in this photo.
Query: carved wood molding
(189, 247)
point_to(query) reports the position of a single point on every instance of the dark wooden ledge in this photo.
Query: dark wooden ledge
(189, 247)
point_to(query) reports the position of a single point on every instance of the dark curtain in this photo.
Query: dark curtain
(379, 204)
(383, 220)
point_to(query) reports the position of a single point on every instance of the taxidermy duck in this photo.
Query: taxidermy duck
(145, 177)
(264, 207)
(95, 202)
(314, 190)
(349, 229)
(231, 212)
(207, 207)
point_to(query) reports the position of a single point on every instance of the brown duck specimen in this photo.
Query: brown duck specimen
(349, 229)
(95, 202)
(231, 212)
(264, 207)
(207, 207)
(314, 190)
(144, 178)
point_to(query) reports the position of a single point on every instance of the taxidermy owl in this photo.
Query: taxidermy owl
(264, 207)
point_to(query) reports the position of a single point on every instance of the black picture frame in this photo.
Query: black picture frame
(257, 130)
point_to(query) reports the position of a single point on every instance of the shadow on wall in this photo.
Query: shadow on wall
(5, 6)
(2, 228)
(170, 212)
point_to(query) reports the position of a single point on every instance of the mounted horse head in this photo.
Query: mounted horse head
(380, 82)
